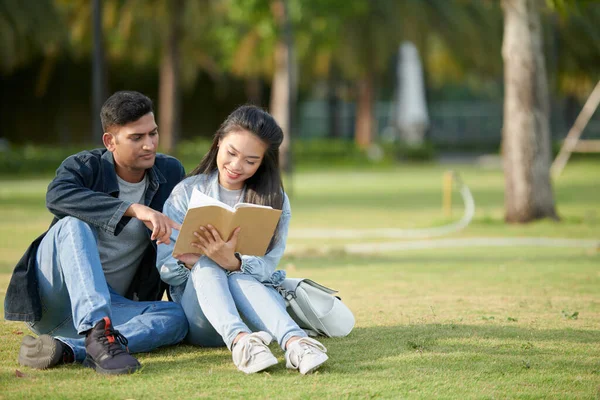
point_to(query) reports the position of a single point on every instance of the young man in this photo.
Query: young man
(76, 284)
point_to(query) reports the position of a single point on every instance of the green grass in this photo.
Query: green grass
(446, 323)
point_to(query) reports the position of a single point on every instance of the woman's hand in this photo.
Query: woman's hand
(214, 247)
(189, 259)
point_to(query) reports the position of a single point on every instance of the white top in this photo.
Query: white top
(229, 197)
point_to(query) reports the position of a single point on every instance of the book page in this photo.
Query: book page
(242, 205)
(199, 199)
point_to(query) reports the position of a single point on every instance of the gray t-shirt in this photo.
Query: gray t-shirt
(229, 197)
(120, 255)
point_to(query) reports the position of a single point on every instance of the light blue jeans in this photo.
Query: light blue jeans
(212, 298)
(75, 295)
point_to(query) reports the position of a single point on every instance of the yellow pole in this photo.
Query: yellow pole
(447, 193)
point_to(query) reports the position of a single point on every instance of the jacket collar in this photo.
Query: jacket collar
(155, 177)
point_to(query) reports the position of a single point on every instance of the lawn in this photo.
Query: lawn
(468, 322)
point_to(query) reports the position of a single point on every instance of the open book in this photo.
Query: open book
(257, 224)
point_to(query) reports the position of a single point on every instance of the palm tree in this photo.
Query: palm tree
(526, 131)
(367, 42)
(256, 41)
(574, 46)
(151, 33)
(169, 85)
(99, 83)
(283, 89)
(28, 29)
(370, 32)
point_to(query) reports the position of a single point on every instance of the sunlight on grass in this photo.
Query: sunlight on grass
(443, 323)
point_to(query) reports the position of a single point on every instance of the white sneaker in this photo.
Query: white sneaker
(305, 355)
(251, 354)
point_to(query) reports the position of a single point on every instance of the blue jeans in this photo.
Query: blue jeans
(75, 295)
(211, 300)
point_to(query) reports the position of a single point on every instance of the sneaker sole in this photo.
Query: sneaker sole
(38, 353)
(90, 363)
(260, 367)
(320, 362)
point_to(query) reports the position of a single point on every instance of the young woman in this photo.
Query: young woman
(242, 165)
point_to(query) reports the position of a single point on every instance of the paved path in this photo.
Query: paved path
(388, 247)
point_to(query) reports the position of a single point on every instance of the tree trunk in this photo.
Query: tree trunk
(279, 99)
(98, 72)
(169, 102)
(365, 126)
(334, 117)
(254, 91)
(526, 129)
(281, 95)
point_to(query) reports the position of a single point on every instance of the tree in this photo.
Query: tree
(158, 33)
(169, 85)
(371, 32)
(282, 91)
(257, 43)
(28, 29)
(574, 46)
(526, 129)
(99, 83)
(252, 37)
(149, 33)
(369, 39)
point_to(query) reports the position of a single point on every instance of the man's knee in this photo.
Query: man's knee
(72, 225)
(71, 221)
(176, 310)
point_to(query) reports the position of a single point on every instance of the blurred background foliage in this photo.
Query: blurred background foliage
(343, 50)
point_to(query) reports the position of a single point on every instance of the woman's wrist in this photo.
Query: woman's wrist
(235, 263)
(182, 264)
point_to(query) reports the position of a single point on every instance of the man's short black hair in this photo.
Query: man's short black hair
(124, 107)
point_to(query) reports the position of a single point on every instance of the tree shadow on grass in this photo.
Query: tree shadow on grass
(370, 346)
(503, 360)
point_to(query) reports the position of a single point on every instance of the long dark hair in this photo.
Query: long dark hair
(265, 186)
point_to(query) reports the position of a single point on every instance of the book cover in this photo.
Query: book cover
(257, 224)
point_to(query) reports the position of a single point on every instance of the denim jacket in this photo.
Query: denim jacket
(86, 187)
(262, 268)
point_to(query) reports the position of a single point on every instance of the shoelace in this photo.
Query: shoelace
(309, 346)
(312, 344)
(113, 345)
(253, 343)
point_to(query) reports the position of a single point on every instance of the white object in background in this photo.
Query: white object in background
(412, 118)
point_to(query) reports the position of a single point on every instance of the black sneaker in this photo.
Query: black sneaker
(105, 353)
(44, 352)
